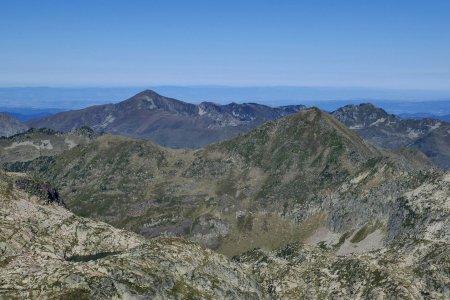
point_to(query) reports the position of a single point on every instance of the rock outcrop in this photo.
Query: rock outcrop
(46, 252)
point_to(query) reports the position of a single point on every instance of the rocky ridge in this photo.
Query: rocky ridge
(49, 253)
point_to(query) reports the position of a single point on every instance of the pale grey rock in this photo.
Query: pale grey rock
(47, 252)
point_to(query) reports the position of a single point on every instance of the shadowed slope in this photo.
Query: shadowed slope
(167, 121)
(10, 126)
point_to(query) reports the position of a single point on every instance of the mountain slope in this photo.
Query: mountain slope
(49, 253)
(303, 205)
(415, 265)
(436, 146)
(35, 143)
(10, 126)
(276, 184)
(379, 128)
(167, 121)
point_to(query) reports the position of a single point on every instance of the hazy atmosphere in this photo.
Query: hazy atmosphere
(225, 149)
(376, 44)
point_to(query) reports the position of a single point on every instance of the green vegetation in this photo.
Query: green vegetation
(73, 294)
(283, 186)
(342, 239)
(285, 167)
(226, 187)
(365, 231)
(91, 257)
(245, 222)
(181, 289)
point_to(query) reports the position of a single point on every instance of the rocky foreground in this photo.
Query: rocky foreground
(49, 253)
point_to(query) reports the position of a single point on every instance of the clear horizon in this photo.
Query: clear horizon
(44, 99)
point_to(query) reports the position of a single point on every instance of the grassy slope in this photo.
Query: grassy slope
(262, 189)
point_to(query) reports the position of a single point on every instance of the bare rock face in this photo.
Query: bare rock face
(418, 270)
(209, 231)
(47, 252)
(423, 213)
(10, 126)
(407, 257)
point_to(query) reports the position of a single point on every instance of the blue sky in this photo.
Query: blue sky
(387, 44)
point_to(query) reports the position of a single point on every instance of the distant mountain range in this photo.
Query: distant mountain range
(177, 124)
(327, 98)
(419, 116)
(375, 125)
(25, 113)
(166, 121)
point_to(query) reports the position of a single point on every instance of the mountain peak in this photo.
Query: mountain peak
(361, 115)
(368, 107)
(167, 121)
(146, 95)
(150, 100)
(301, 137)
(148, 92)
